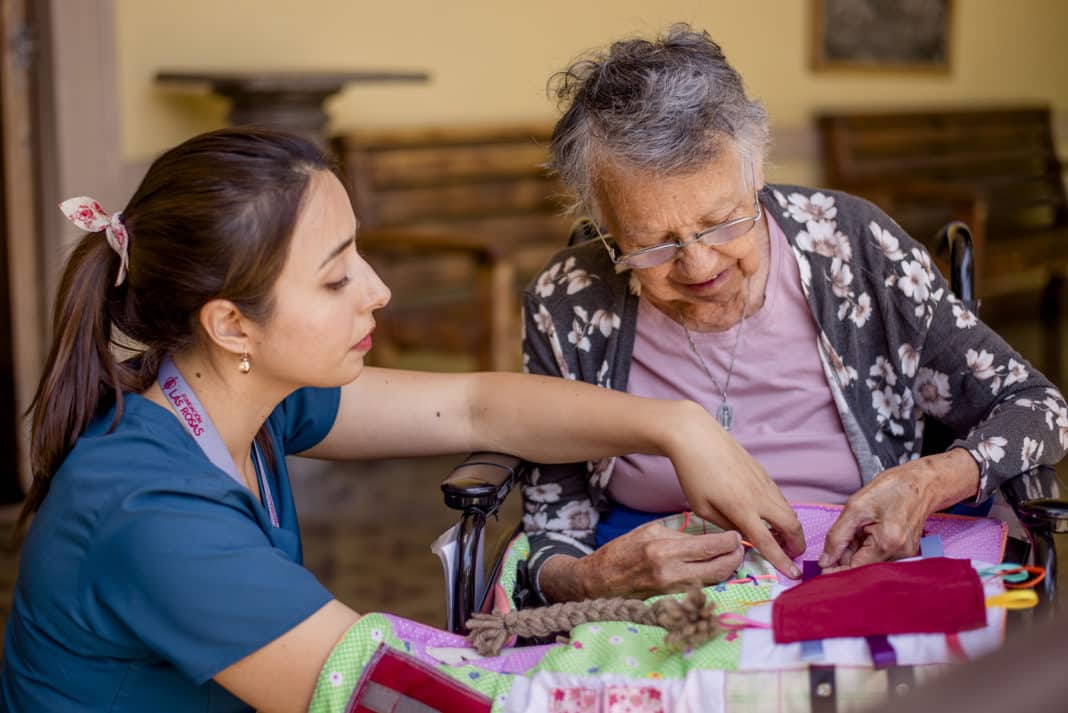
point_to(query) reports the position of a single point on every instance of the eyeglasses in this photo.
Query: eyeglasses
(659, 254)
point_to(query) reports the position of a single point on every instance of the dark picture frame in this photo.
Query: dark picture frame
(882, 35)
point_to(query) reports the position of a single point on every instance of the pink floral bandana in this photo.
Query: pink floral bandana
(87, 214)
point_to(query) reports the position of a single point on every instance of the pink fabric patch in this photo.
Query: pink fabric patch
(574, 700)
(633, 699)
(962, 537)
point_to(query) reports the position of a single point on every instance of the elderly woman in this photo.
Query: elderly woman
(814, 329)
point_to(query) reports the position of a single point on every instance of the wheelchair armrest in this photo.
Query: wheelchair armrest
(1033, 495)
(482, 482)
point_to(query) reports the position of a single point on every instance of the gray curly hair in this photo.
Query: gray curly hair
(665, 105)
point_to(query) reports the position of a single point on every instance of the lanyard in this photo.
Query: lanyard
(198, 425)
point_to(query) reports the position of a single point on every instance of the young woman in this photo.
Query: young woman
(162, 570)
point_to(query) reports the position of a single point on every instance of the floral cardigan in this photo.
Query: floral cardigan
(894, 341)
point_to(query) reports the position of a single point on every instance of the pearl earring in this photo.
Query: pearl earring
(244, 366)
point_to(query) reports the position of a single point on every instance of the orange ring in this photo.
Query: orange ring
(1039, 572)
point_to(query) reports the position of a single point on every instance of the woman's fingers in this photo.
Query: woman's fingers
(844, 531)
(787, 527)
(764, 541)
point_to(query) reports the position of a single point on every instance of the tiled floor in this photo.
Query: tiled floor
(368, 526)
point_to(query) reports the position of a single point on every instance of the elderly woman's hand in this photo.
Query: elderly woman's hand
(884, 520)
(724, 484)
(649, 560)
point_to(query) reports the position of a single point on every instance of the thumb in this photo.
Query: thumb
(840, 535)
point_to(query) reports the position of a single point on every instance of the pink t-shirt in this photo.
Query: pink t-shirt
(784, 413)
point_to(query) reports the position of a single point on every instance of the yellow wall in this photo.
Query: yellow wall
(490, 58)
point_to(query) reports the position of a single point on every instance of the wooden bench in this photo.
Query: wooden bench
(456, 221)
(995, 168)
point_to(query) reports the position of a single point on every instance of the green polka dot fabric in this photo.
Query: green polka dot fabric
(342, 671)
(518, 551)
(638, 651)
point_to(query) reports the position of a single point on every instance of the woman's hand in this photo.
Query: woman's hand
(725, 485)
(884, 520)
(651, 559)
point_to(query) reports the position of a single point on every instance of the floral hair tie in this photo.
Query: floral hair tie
(87, 214)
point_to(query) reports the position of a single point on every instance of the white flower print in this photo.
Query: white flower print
(336, 678)
(841, 277)
(882, 367)
(909, 357)
(1057, 419)
(780, 199)
(544, 493)
(546, 284)
(600, 471)
(574, 519)
(906, 405)
(846, 374)
(606, 321)
(886, 241)
(1055, 411)
(916, 282)
(805, 269)
(824, 239)
(990, 450)
(602, 375)
(577, 281)
(931, 392)
(1016, 373)
(579, 327)
(543, 320)
(562, 275)
(861, 310)
(981, 364)
(817, 207)
(964, 316)
(924, 258)
(1031, 452)
(886, 403)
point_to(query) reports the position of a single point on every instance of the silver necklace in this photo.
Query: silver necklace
(725, 414)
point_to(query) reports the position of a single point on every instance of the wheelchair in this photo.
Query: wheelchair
(479, 486)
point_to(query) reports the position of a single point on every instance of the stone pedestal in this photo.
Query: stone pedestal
(291, 100)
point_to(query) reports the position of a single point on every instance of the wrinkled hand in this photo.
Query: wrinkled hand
(884, 520)
(725, 485)
(653, 559)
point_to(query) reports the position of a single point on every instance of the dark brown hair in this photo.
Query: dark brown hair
(212, 218)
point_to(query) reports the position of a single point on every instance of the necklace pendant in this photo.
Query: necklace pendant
(725, 416)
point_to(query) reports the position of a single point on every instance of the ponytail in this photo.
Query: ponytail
(213, 217)
(81, 374)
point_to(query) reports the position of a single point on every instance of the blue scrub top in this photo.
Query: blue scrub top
(148, 570)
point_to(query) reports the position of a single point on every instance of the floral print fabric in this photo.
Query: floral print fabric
(895, 342)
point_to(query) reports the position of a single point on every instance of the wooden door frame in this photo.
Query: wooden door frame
(19, 185)
(60, 139)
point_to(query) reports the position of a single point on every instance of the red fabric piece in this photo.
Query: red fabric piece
(931, 595)
(393, 680)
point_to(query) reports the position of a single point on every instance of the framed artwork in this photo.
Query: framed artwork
(882, 35)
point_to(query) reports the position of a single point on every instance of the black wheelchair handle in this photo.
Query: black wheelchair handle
(1045, 511)
(961, 261)
(481, 481)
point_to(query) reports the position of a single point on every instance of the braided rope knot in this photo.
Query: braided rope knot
(690, 621)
